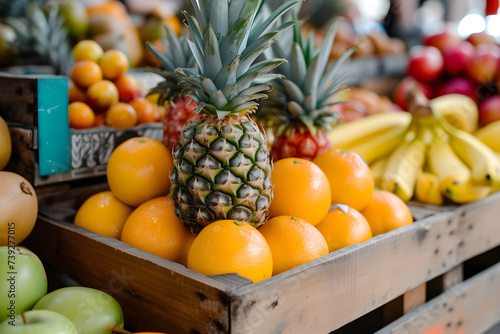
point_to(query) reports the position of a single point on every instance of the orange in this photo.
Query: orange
(113, 64)
(350, 178)
(85, 73)
(301, 189)
(386, 212)
(80, 115)
(103, 213)
(174, 23)
(121, 115)
(87, 50)
(230, 246)
(344, 226)
(293, 242)
(146, 111)
(75, 94)
(154, 228)
(102, 95)
(139, 169)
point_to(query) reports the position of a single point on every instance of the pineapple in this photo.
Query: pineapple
(221, 164)
(179, 107)
(300, 106)
(43, 37)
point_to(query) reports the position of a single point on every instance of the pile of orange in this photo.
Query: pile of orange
(318, 207)
(102, 93)
(138, 209)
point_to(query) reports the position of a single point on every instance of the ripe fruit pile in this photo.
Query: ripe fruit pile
(103, 93)
(420, 156)
(446, 64)
(303, 223)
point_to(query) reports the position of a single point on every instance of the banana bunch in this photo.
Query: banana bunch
(419, 155)
(490, 135)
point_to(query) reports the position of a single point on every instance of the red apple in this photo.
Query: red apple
(489, 110)
(443, 40)
(479, 38)
(459, 85)
(425, 63)
(482, 67)
(402, 89)
(456, 58)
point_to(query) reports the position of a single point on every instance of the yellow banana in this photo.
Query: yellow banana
(482, 161)
(446, 165)
(467, 192)
(457, 109)
(377, 169)
(353, 133)
(403, 166)
(380, 145)
(490, 135)
(427, 189)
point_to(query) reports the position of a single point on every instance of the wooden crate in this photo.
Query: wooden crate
(88, 156)
(320, 296)
(45, 150)
(471, 306)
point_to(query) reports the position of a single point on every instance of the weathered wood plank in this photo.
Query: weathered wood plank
(327, 293)
(472, 306)
(18, 98)
(156, 294)
(478, 227)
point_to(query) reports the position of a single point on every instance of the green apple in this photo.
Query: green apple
(22, 281)
(91, 310)
(39, 322)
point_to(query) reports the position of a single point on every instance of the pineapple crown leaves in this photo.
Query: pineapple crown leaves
(226, 38)
(176, 54)
(44, 36)
(310, 81)
(176, 51)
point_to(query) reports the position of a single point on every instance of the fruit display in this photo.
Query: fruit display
(274, 187)
(374, 44)
(33, 29)
(406, 151)
(103, 93)
(447, 64)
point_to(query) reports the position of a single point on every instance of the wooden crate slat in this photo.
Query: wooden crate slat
(327, 293)
(478, 227)
(155, 294)
(472, 306)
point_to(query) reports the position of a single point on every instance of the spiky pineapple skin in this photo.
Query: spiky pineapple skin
(179, 111)
(221, 171)
(298, 142)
